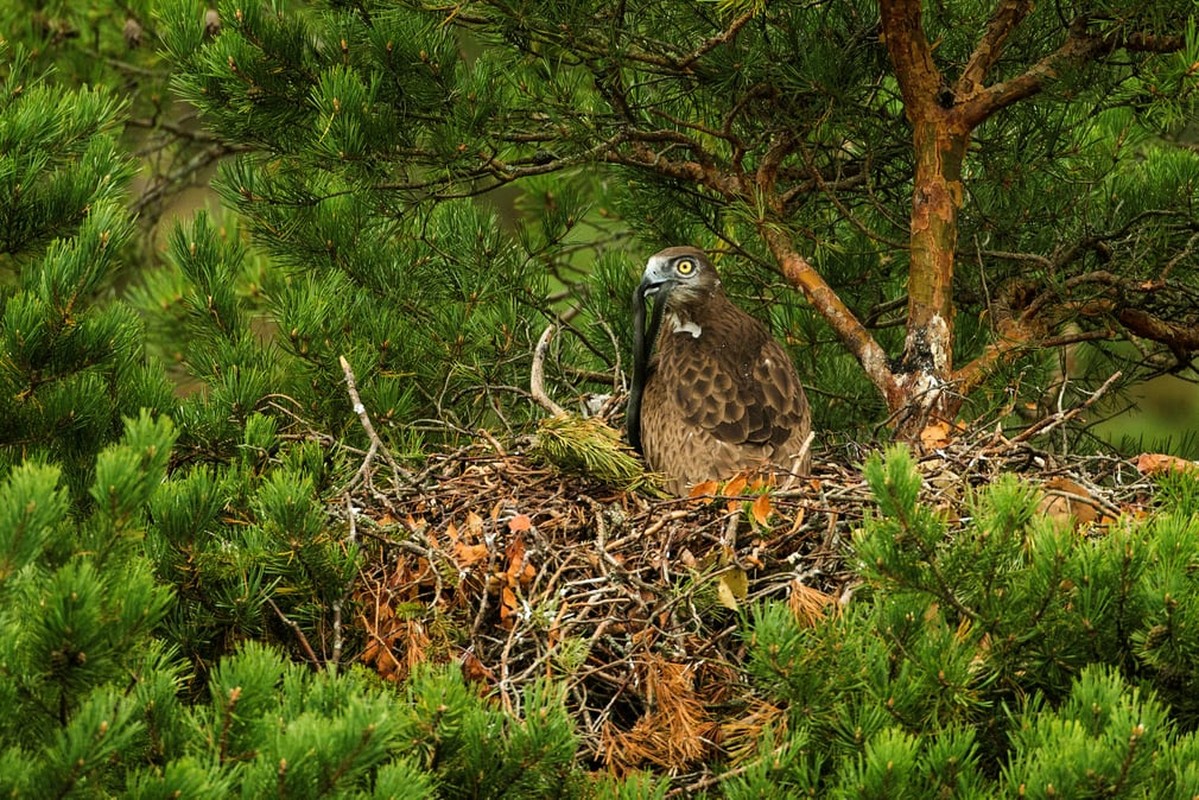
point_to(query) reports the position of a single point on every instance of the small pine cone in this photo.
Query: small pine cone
(212, 22)
(132, 33)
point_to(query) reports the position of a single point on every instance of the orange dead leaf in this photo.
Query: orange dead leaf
(519, 571)
(467, 555)
(1068, 503)
(935, 435)
(475, 671)
(508, 607)
(703, 490)
(1157, 463)
(520, 523)
(797, 522)
(515, 551)
(761, 509)
(736, 486)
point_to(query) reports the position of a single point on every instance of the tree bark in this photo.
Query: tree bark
(939, 141)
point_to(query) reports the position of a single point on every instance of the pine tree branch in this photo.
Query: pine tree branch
(1003, 255)
(1178, 258)
(163, 184)
(298, 631)
(1005, 19)
(1141, 42)
(348, 762)
(1062, 417)
(1079, 47)
(1182, 339)
(781, 146)
(942, 587)
(364, 470)
(695, 126)
(911, 54)
(176, 129)
(334, 662)
(828, 189)
(853, 335)
(502, 173)
(726, 127)
(1075, 251)
(642, 157)
(1022, 330)
(712, 42)
(1013, 343)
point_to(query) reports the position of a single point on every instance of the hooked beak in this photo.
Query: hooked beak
(649, 287)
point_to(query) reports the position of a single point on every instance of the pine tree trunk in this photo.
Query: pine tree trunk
(939, 143)
(926, 366)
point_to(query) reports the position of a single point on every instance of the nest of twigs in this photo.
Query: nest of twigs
(518, 571)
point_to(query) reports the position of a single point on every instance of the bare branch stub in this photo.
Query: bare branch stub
(537, 374)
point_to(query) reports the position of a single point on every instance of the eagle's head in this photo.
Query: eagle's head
(677, 276)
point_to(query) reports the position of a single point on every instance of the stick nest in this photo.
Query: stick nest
(519, 570)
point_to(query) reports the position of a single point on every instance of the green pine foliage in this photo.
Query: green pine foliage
(252, 553)
(89, 43)
(176, 563)
(1004, 654)
(149, 571)
(98, 681)
(79, 605)
(70, 363)
(433, 304)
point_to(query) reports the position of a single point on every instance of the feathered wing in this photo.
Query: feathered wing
(726, 401)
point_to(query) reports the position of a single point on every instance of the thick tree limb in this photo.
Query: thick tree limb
(1183, 340)
(1008, 15)
(691, 171)
(1012, 338)
(1021, 330)
(919, 79)
(849, 330)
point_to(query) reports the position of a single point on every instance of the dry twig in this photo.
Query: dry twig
(537, 374)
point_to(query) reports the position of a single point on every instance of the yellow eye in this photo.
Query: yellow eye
(685, 267)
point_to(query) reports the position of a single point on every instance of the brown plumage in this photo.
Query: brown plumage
(720, 396)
